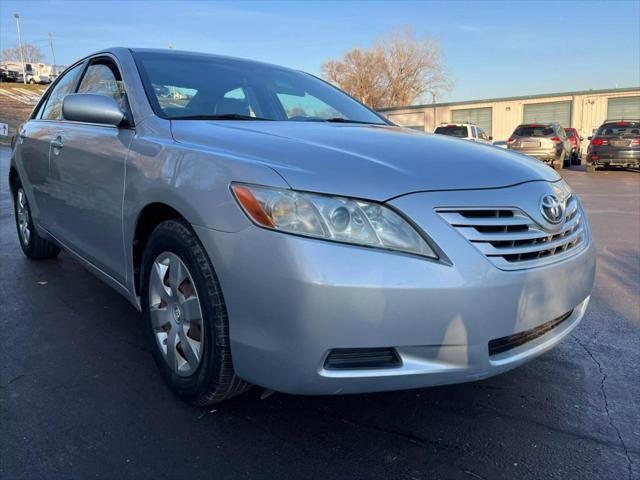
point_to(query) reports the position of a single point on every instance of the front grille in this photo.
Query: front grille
(503, 344)
(359, 358)
(512, 240)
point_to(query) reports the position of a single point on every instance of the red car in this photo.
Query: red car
(575, 139)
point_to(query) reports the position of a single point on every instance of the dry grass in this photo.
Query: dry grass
(13, 111)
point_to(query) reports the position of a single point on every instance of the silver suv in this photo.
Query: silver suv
(545, 141)
(274, 231)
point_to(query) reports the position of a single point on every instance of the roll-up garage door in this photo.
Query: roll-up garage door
(480, 116)
(623, 108)
(548, 112)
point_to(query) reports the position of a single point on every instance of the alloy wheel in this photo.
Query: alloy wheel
(176, 315)
(22, 212)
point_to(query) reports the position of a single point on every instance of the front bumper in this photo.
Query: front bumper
(291, 300)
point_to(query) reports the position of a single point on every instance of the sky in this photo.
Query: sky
(490, 49)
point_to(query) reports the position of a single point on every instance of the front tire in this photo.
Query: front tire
(186, 318)
(33, 245)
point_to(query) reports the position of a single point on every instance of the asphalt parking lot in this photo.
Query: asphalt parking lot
(80, 396)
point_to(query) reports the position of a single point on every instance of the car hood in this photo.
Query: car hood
(364, 161)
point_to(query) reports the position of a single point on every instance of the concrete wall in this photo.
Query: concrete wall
(588, 111)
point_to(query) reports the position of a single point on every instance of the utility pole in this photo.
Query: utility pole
(53, 55)
(24, 73)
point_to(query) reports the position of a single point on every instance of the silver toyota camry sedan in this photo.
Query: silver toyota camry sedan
(274, 231)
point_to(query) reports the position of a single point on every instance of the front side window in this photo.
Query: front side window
(53, 107)
(192, 86)
(103, 78)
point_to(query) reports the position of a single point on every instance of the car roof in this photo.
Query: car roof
(622, 120)
(536, 124)
(173, 52)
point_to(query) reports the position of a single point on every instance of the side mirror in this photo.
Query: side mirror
(490, 137)
(582, 139)
(92, 108)
(589, 138)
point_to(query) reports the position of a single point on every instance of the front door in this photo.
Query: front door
(88, 168)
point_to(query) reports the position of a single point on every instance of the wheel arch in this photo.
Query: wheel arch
(148, 219)
(14, 180)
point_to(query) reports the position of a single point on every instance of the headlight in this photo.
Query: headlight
(562, 190)
(338, 219)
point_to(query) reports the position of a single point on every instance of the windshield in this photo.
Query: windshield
(533, 131)
(621, 128)
(453, 131)
(183, 85)
(570, 133)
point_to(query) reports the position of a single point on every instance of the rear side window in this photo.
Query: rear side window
(453, 131)
(53, 108)
(534, 131)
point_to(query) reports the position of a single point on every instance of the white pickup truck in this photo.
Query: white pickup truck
(466, 131)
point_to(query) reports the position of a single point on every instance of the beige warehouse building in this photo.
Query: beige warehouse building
(584, 110)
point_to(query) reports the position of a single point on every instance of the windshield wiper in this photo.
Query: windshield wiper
(347, 120)
(222, 116)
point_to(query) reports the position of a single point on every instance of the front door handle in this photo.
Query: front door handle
(57, 143)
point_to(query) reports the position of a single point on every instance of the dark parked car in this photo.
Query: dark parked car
(615, 144)
(576, 142)
(547, 142)
(8, 75)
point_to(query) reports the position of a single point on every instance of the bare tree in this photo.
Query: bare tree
(32, 54)
(397, 70)
(360, 74)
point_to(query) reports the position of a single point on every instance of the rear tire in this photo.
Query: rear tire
(33, 245)
(183, 272)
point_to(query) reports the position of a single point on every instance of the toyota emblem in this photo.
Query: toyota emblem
(552, 209)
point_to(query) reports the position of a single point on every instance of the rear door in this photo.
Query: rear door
(34, 145)
(89, 171)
